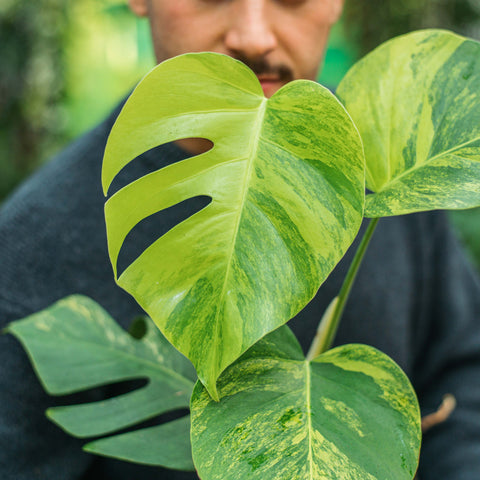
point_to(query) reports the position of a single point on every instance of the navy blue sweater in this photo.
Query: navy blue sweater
(416, 298)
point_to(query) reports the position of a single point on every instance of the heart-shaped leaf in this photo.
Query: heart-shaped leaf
(351, 414)
(416, 103)
(75, 345)
(286, 179)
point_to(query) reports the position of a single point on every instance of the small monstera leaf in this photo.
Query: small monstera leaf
(75, 345)
(286, 182)
(351, 413)
(416, 103)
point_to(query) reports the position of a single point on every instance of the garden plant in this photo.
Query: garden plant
(287, 184)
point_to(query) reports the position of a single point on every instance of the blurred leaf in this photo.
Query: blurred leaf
(467, 223)
(119, 9)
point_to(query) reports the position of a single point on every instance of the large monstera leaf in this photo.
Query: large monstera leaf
(351, 413)
(286, 182)
(416, 103)
(75, 345)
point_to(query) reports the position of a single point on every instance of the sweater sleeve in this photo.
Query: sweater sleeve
(448, 359)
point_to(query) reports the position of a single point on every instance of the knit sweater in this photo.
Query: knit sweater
(416, 298)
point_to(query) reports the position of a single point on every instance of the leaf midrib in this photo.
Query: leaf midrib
(253, 147)
(308, 404)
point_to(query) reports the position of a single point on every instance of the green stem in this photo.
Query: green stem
(329, 324)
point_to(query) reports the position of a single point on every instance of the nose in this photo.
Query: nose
(249, 32)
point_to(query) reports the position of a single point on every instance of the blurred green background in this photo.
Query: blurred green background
(64, 64)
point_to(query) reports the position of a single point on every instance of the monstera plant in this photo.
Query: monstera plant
(286, 180)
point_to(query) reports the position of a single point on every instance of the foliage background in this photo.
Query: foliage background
(65, 63)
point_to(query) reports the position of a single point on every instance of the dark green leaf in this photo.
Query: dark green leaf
(75, 345)
(163, 445)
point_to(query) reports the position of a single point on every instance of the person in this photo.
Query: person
(416, 297)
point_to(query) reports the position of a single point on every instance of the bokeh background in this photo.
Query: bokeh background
(64, 64)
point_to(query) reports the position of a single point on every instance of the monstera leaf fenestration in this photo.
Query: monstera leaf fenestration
(351, 413)
(416, 103)
(286, 182)
(75, 345)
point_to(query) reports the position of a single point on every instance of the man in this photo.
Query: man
(416, 297)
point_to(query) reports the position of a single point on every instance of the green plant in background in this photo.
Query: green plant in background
(64, 66)
(286, 178)
(467, 223)
(370, 22)
(107, 51)
(31, 85)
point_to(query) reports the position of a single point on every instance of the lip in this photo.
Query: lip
(270, 84)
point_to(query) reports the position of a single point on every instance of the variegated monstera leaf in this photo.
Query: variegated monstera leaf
(351, 413)
(286, 181)
(416, 103)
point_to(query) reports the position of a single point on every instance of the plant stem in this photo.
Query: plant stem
(322, 326)
(327, 328)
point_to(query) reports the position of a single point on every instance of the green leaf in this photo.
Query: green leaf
(416, 103)
(351, 414)
(165, 445)
(75, 345)
(286, 179)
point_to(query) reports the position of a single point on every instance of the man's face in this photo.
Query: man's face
(281, 40)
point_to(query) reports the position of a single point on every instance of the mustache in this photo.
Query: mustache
(263, 67)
